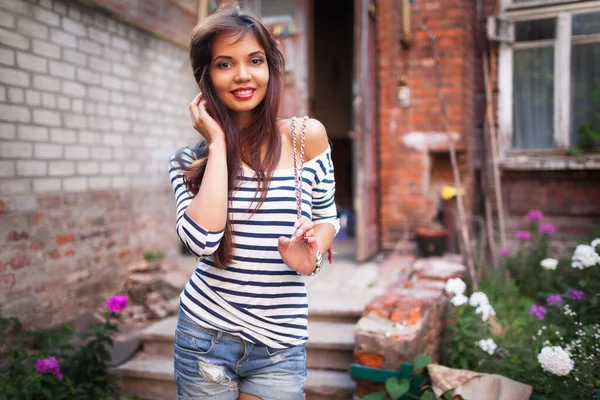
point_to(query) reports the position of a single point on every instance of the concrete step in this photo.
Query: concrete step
(330, 346)
(158, 338)
(151, 377)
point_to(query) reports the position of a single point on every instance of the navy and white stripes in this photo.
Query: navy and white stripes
(257, 298)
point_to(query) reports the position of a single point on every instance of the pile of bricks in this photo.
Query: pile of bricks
(153, 288)
(406, 321)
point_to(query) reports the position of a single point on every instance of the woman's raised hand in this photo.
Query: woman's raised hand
(300, 251)
(203, 122)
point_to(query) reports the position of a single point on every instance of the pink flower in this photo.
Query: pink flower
(548, 228)
(504, 252)
(576, 295)
(117, 303)
(523, 235)
(535, 215)
(538, 311)
(555, 300)
(48, 366)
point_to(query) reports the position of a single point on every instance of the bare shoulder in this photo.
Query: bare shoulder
(316, 136)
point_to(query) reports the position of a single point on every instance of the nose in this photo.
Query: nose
(242, 74)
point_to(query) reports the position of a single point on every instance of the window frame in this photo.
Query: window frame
(562, 76)
(513, 5)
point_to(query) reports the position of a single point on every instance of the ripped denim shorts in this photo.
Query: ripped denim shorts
(218, 366)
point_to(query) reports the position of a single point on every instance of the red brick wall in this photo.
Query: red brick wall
(569, 199)
(408, 196)
(169, 19)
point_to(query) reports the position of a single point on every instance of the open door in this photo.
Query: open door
(366, 204)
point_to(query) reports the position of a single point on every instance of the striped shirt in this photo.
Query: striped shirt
(257, 297)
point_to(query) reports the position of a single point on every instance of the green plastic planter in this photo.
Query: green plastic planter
(381, 375)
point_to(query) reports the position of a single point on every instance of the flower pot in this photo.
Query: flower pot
(431, 241)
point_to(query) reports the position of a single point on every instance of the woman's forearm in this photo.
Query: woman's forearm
(324, 233)
(209, 207)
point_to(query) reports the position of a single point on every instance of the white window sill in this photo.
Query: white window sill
(538, 3)
(549, 162)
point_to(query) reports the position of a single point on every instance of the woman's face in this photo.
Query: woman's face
(239, 71)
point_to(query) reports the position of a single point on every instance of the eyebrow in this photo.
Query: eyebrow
(249, 55)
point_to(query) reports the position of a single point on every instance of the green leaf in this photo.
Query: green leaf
(397, 387)
(447, 395)
(375, 396)
(428, 395)
(421, 361)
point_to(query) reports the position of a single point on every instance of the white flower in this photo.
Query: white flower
(485, 310)
(549, 263)
(595, 243)
(556, 361)
(478, 298)
(487, 345)
(585, 256)
(455, 286)
(459, 300)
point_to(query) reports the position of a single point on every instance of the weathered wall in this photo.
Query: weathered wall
(568, 199)
(563, 188)
(90, 110)
(412, 174)
(170, 20)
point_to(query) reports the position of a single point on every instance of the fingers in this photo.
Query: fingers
(196, 100)
(303, 226)
(197, 110)
(304, 230)
(284, 242)
(194, 111)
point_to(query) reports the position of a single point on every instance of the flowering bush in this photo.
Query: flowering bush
(466, 325)
(544, 328)
(45, 364)
(530, 265)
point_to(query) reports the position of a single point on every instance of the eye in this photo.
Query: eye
(223, 65)
(257, 61)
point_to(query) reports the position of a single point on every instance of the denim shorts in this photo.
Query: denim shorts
(215, 365)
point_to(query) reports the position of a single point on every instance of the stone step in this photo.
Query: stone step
(158, 338)
(151, 377)
(330, 346)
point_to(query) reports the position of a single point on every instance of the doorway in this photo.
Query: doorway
(332, 58)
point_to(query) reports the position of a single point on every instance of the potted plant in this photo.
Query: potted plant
(431, 241)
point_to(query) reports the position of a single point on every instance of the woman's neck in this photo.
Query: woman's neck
(243, 119)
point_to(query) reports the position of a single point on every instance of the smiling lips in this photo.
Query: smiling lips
(243, 93)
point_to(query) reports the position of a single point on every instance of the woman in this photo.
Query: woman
(242, 325)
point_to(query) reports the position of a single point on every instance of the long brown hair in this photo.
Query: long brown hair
(245, 144)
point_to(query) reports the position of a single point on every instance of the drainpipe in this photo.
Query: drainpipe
(202, 10)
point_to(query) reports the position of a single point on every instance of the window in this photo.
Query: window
(585, 73)
(549, 76)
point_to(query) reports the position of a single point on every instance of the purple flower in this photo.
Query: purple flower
(535, 215)
(576, 295)
(48, 366)
(523, 235)
(538, 311)
(548, 228)
(504, 252)
(554, 300)
(117, 303)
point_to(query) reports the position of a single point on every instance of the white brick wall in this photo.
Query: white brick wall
(86, 102)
